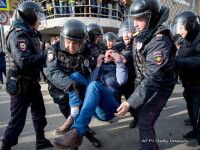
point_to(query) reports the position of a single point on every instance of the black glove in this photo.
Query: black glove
(79, 89)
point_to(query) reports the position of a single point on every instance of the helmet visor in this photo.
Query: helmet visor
(141, 22)
(128, 32)
(71, 46)
(42, 18)
(177, 27)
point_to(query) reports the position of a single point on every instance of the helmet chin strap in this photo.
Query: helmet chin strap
(81, 47)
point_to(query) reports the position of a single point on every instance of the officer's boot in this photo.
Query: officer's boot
(42, 142)
(190, 135)
(90, 130)
(89, 135)
(65, 127)
(133, 123)
(5, 146)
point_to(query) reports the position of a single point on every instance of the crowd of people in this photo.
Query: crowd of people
(88, 71)
(75, 8)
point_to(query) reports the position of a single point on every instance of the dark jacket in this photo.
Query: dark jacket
(154, 54)
(188, 59)
(25, 57)
(59, 65)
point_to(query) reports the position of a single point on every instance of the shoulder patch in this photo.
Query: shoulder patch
(50, 55)
(135, 34)
(18, 29)
(139, 45)
(159, 35)
(158, 57)
(22, 44)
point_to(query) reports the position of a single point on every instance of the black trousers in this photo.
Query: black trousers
(192, 97)
(148, 114)
(18, 106)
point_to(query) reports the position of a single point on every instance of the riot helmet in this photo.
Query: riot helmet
(187, 19)
(146, 9)
(75, 31)
(126, 31)
(94, 31)
(29, 13)
(109, 39)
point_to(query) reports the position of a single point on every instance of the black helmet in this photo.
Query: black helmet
(29, 12)
(73, 30)
(94, 30)
(109, 36)
(187, 18)
(126, 26)
(149, 9)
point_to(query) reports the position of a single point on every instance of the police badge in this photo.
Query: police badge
(22, 44)
(50, 55)
(86, 63)
(139, 45)
(158, 57)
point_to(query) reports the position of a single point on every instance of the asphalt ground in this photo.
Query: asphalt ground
(113, 136)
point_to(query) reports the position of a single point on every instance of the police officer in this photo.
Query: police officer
(124, 47)
(186, 24)
(109, 40)
(67, 56)
(24, 63)
(96, 45)
(154, 53)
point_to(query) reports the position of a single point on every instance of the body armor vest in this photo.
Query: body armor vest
(73, 63)
(139, 57)
(12, 68)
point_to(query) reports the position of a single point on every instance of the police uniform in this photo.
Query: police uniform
(24, 62)
(126, 50)
(155, 80)
(59, 65)
(188, 64)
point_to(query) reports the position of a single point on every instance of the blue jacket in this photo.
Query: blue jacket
(111, 76)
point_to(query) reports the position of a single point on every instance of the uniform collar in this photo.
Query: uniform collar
(24, 26)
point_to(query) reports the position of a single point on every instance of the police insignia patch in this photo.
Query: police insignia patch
(22, 45)
(139, 45)
(50, 55)
(86, 63)
(158, 57)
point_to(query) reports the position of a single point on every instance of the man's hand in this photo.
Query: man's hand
(123, 109)
(116, 57)
(123, 59)
(79, 89)
(100, 60)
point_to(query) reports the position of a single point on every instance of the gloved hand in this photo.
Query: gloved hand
(79, 89)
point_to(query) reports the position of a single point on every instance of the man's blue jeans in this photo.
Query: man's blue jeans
(74, 100)
(98, 102)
